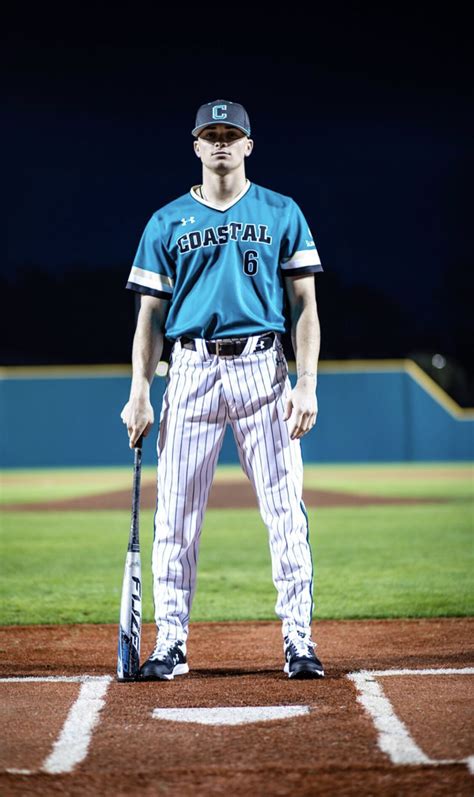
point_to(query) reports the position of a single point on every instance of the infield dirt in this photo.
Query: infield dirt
(223, 495)
(332, 750)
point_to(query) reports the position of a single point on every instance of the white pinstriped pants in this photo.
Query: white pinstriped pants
(203, 394)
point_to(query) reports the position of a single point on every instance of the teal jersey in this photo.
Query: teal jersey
(223, 269)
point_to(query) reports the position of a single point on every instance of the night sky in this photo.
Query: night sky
(362, 116)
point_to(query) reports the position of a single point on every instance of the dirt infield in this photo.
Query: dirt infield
(334, 745)
(223, 495)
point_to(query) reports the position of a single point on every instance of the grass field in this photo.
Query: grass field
(370, 561)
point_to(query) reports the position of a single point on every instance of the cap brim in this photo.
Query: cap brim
(197, 130)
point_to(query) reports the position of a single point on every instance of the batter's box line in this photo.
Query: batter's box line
(72, 744)
(394, 738)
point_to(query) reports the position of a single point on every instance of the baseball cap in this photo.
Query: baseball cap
(224, 112)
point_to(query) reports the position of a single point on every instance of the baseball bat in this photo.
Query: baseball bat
(128, 657)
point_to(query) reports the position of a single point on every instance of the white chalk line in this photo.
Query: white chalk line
(12, 771)
(407, 671)
(229, 715)
(394, 738)
(72, 679)
(72, 744)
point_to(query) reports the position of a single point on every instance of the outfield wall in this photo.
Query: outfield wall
(369, 411)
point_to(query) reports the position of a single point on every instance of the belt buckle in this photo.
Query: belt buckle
(221, 343)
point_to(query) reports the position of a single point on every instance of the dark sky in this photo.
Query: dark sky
(361, 114)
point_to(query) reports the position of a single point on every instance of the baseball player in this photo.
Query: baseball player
(213, 267)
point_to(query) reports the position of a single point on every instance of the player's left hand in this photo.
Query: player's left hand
(301, 408)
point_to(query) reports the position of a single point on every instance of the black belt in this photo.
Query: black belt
(228, 347)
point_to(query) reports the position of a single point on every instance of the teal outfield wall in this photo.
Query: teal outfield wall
(368, 412)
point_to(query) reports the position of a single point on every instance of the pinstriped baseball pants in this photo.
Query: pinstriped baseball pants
(204, 393)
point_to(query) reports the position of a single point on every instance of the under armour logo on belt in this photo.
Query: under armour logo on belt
(260, 344)
(185, 221)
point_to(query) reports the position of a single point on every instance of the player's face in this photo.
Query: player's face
(222, 148)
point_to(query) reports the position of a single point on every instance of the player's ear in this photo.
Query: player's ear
(249, 147)
(196, 148)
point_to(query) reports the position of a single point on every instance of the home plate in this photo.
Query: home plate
(229, 715)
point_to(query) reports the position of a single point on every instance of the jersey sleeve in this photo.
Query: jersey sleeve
(298, 253)
(153, 270)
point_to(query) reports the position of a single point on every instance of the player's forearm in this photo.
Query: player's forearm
(147, 350)
(306, 339)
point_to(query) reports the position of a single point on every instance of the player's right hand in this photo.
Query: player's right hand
(138, 417)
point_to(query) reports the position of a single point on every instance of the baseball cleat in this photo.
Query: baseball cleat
(301, 660)
(167, 660)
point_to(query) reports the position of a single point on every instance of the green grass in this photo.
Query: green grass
(376, 561)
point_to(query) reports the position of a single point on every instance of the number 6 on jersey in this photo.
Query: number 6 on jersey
(250, 262)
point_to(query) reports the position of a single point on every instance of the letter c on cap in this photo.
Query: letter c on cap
(219, 112)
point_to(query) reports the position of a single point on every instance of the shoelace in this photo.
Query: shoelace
(162, 649)
(303, 646)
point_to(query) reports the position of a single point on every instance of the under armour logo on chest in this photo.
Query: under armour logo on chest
(191, 220)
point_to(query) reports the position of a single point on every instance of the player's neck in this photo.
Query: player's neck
(221, 188)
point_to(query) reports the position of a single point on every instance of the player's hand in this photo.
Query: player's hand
(301, 408)
(138, 417)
